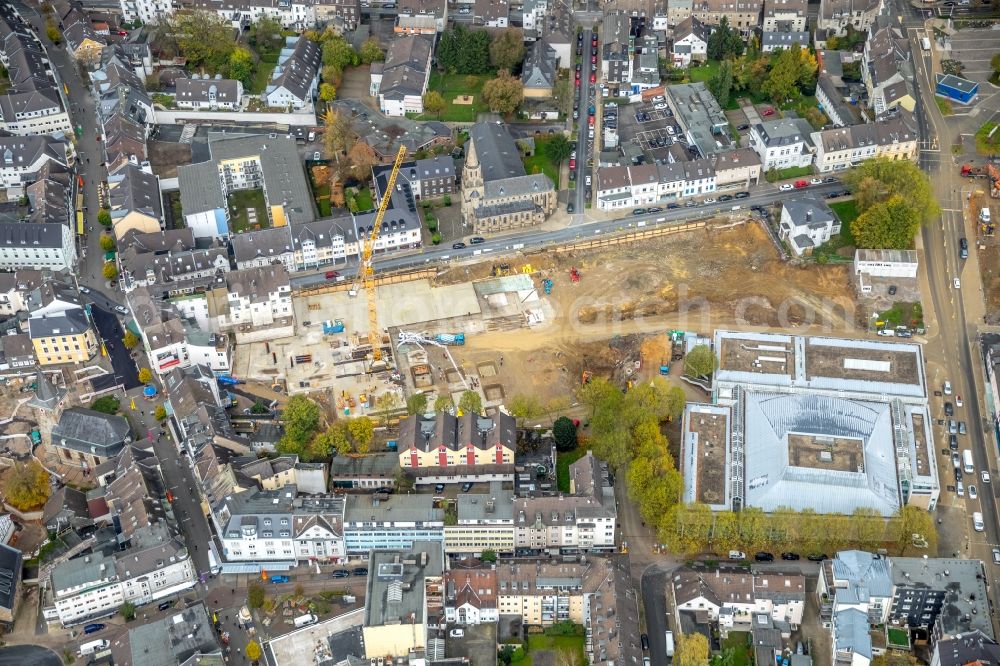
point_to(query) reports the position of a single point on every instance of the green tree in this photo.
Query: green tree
(241, 65)
(687, 528)
(558, 148)
(27, 487)
(202, 37)
(470, 403)
(416, 403)
(301, 419)
(130, 340)
(700, 362)
(371, 51)
(52, 32)
(503, 93)
(127, 610)
(338, 52)
(104, 218)
(259, 408)
(722, 83)
(255, 596)
(888, 225)
(881, 179)
(562, 92)
(724, 42)
(782, 80)
(110, 271)
(336, 439)
(564, 433)
(267, 34)
(362, 431)
(474, 58)
(145, 376)
(488, 555)
(107, 243)
(161, 413)
(338, 134)
(507, 50)
(327, 92)
(434, 103)
(676, 399)
(448, 47)
(868, 527)
(253, 651)
(108, 404)
(691, 650)
(443, 403)
(910, 524)
(386, 404)
(524, 406)
(995, 63)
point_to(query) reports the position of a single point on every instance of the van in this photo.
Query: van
(967, 461)
(737, 555)
(963, 248)
(977, 522)
(960, 489)
(984, 215)
(94, 646)
(305, 620)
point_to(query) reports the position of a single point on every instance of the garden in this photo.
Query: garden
(455, 88)
(566, 638)
(841, 246)
(248, 210)
(541, 162)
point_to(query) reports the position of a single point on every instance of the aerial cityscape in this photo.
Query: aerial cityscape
(499, 332)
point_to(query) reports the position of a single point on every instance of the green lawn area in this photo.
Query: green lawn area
(537, 643)
(735, 650)
(841, 246)
(265, 67)
(703, 72)
(897, 636)
(540, 163)
(451, 86)
(774, 175)
(944, 106)
(239, 202)
(364, 199)
(988, 139)
(903, 314)
(563, 461)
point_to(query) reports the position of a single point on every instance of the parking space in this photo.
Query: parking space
(653, 131)
(974, 48)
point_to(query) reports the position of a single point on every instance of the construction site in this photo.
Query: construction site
(982, 211)
(540, 324)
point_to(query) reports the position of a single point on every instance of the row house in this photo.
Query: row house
(256, 304)
(484, 522)
(23, 158)
(14, 290)
(428, 178)
(841, 148)
(543, 594)
(886, 69)
(297, 247)
(439, 446)
(785, 16)
(835, 16)
(646, 184)
(732, 597)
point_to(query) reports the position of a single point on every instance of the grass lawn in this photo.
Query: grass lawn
(364, 199)
(451, 86)
(563, 461)
(540, 163)
(537, 643)
(703, 72)
(988, 139)
(240, 201)
(263, 73)
(903, 314)
(897, 637)
(736, 647)
(774, 175)
(841, 246)
(944, 106)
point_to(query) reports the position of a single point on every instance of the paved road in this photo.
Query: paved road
(28, 655)
(584, 145)
(110, 329)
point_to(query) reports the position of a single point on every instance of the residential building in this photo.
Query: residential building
(491, 13)
(690, 42)
(370, 472)
(385, 135)
(209, 94)
(276, 473)
(743, 15)
(11, 563)
(533, 14)
(700, 117)
(775, 41)
(135, 200)
(613, 617)
(343, 13)
(296, 76)
(256, 304)
(401, 223)
(146, 11)
(785, 16)
(64, 334)
(15, 288)
(806, 223)
(836, 15)
(403, 596)
(186, 635)
(277, 528)
(82, 41)
(733, 596)
(543, 594)
(470, 596)
(89, 437)
(782, 144)
(887, 70)
(429, 178)
(443, 440)
(497, 193)
(181, 268)
(886, 263)
(841, 148)
(157, 565)
(485, 522)
(397, 521)
(424, 9)
(832, 92)
(767, 466)
(23, 157)
(400, 82)
(538, 74)
(49, 197)
(17, 353)
(617, 45)
(250, 162)
(120, 91)
(970, 647)
(580, 522)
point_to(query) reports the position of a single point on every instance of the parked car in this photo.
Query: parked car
(94, 628)
(956, 283)
(973, 494)
(644, 639)
(949, 410)
(439, 488)
(892, 290)
(790, 557)
(466, 487)
(996, 555)
(477, 240)
(785, 187)
(458, 246)
(84, 290)
(830, 179)
(958, 401)
(673, 206)
(165, 605)
(341, 573)
(764, 557)
(737, 555)
(638, 211)
(768, 112)
(743, 127)
(726, 197)
(799, 184)
(456, 633)
(985, 476)
(360, 571)
(961, 428)
(332, 274)
(953, 442)
(654, 209)
(817, 557)
(742, 195)
(815, 181)
(121, 309)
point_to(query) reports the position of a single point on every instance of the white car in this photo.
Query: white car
(660, 107)
(985, 476)
(816, 181)
(709, 201)
(120, 309)
(996, 555)
(972, 492)
(947, 387)
(659, 98)
(957, 283)
(456, 633)
(588, 181)
(958, 401)
(786, 187)
(84, 290)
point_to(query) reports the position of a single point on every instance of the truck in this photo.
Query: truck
(967, 462)
(670, 644)
(305, 620)
(457, 339)
(94, 646)
(280, 579)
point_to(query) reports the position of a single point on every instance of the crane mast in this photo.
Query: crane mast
(367, 268)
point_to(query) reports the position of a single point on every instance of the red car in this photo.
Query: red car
(593, 59)
(572, 164)
(799, 184)
(768, 111)
(593, 78)
(578, 83)
(592, 121)
(332, 274)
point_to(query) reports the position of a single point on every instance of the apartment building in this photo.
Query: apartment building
(690, 42)
(296, 77)
(733, 596)
(400, 82)
(343, 13)
(86, 437)
(447, 441)
(15, 288)
(743, 15)
(394, 521)
(429, 178)
(471, 596)
(782, 144)
(38, 246)
(305, 246)
(211, 94)
(543, 594)
(276, 473)
(256, 304)
(886, 69)
(806, 223)
(401, 223)
(280, 526)
(23, 157)
(62, 333)
(156, 566)
(836, 15)
(841, 148)
(485, 522)
(785, 15)
(136, 205)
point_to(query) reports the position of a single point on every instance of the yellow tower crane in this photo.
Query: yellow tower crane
(367, 270)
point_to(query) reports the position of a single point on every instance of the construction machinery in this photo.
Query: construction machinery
(987, 171)
(367, 269)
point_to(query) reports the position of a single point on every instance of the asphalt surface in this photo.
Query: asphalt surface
(584, 145)
(28, 655)
(110, 329)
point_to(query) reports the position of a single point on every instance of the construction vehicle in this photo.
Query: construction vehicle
(988, 171)
(367, 268)
(574, 275)
(665, 368)
(331, 327)
(547, 285)
(456, 339)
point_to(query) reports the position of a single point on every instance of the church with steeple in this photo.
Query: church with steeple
(497, 194)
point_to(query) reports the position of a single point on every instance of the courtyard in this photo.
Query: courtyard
(248, 210)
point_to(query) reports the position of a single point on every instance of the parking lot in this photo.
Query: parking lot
(654, 131)
(974, 48)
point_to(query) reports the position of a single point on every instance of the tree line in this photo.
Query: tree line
(893, 198)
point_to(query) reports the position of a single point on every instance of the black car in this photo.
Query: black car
(341, 573)
(829, 179)
(644, 639)
(569, 207)
(655, 209)
(743, 127)
(789, 557)
(764, 557)
(165, 605)
(726, 197)
(458, 246)
(953, 442)
(817, 557)
(579, 67)
(742, 195)
(892, 290)
(949, 409)
(466, 487)
(673, 206)
(439, 488)
(477, 240)
(360, 571)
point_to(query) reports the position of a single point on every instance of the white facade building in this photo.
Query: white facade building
(39, 246)
(782, 144)
(886, 263)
